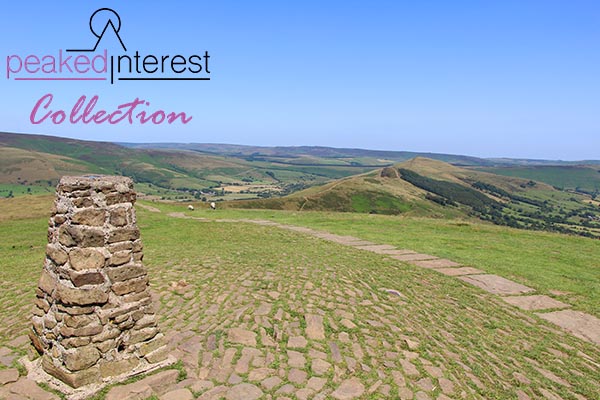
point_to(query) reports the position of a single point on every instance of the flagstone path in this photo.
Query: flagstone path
(581, 325)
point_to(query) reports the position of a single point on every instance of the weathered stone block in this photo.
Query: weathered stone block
(114, 368)
(75, 310)
(106, 346)
(135, 285)
(150, 346)
(143, 298)
(47, 282)
(82, 236)
(119, 258)
(86, 278)
(110, 311)
(116, 198)
(81, 358)
(126, 324)
(118, 216)
(72, 185)
(122, 318)
(81, 202)
(42, 304)
(138, 314)
(59, 219)
(89, 216)
(38, 325)
(49, 321)
(64, 236)
(73, 379)
(137, 246)
(86, 258)
(137, 336)
(79, 321)
(72, 342)
(56, 254)
(36, 342)
(145, 321)
(79, 296)
(158, 355)
(107, 333)
(122, 234)
(119, 246)
(90, 330)
(125, 272)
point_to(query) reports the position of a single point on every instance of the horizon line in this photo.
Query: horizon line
(485, 157)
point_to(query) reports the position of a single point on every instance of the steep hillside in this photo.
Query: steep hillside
(423, 186)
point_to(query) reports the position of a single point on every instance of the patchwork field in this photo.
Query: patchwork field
(255, 311)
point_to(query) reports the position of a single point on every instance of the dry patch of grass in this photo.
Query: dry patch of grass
(23, 207)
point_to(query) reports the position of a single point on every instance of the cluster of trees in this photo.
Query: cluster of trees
(440, 200)
(452, 192)
(486, 187)
(544, 217)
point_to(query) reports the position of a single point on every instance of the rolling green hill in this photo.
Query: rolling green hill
(33, 163)
(317, 178)
(424, 187)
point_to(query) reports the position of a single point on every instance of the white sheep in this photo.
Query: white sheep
(213, 205)
(191, 207)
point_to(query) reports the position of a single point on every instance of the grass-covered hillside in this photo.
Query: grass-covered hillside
(425, 187)
(314, 178)
(34, 163)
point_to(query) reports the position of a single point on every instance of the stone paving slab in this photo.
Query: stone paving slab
(414, 257)
(496, 284)
(459, 271)
(535, 302)
(397, 252)
(377, 248)
(148, 208)
(346, 240)
(580, 324)
(438, 263)
(26, 389)
(262, 222)
(300, 229)
(356, 243)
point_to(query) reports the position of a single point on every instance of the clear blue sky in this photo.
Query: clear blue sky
(485, 78)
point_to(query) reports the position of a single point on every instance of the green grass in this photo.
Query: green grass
(212, 256)
(544, 261)
(457, 326)
(20, 190)
(378, 203)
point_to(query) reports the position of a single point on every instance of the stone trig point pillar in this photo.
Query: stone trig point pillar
(94, 322)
